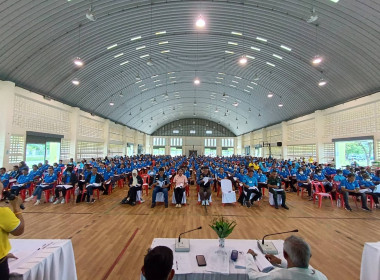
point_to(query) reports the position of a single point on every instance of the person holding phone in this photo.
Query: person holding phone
(11, 222)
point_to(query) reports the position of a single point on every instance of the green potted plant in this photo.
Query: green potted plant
(223, 228)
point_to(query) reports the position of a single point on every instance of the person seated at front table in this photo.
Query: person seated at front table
(303, 181)
(47, 183)
(135, 184)
(205, 185)
(351, 187)
(161, 184)
(180, 183)
(250, 185)
(158, 264)
(93, 181)
(69, 179)
(274, 183)
(297, 254)
(368, 184)
(23, 182)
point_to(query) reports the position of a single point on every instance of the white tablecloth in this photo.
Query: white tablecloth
(188, 268)
(370, 269)
(42, 259)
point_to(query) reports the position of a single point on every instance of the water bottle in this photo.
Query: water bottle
(338, 202)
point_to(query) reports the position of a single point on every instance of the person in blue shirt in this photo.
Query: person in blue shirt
(339, 176)
(14, 174)
(152, 174)
(376, 178)
(35, 173)
(261, 179)
(368, 184)
(46, 165)
(93, 181)
(351, 187)
(22, 166)
(4, 177)
(60, 164)
(56, 168)
(347, 170)
(250, 185)
(108, 177)
(161, 184)
(23, 182)
(285, 177)
(304, 182)
(69, 179)
(48, 183)
(322, 179)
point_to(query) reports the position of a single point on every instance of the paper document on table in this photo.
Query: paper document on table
(240, 262)
(179, 186)
(205, 180)
(160, 183)
(182, 263)
(262, 263)
(218, 261)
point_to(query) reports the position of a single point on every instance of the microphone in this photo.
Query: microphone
(295, 230)
(268, 246)
(179, 237)
(184, 244)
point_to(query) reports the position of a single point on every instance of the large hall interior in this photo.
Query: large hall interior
(258, 86)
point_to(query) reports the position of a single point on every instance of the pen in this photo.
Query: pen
(176, 264)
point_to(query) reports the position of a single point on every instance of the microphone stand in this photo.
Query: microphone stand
(184, 244)
(267, 247)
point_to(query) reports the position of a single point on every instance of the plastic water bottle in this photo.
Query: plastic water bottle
(338, 202)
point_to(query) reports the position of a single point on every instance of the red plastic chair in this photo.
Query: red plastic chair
(302, 190)
(49, 192)
(145, 184)
(320, 192)
(187, 190)
(70, 192)
(94, 190)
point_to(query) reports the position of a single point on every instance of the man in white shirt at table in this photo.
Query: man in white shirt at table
(297, 254)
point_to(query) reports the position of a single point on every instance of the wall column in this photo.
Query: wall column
(7, 93)
(284, 134)
(319, 131)
(74, 129)
(106, 137)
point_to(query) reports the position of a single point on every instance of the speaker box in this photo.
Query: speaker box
(279, 144)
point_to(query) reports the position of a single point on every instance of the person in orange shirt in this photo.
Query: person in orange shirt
(10, 222)
(180, 182)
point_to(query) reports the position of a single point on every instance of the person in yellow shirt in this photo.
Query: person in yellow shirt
(13, 223)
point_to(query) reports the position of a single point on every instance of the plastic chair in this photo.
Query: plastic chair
(303, 189)
(228, 195)
(70, 192)
(320, 192)
(145, 184)
(183, 202)
(199, 199)
(271, 199)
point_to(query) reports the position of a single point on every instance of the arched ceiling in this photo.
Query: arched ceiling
(39, 40)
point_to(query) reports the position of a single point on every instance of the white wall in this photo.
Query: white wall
(83, 133)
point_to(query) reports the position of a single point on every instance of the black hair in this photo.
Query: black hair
(161, 169)
(158, 263)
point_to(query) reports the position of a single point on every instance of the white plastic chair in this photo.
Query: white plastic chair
(199, 199)
(228, 195)
(271, 200)
(183, 198)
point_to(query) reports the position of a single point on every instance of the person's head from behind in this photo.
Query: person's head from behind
(297, 252)
(158, 264)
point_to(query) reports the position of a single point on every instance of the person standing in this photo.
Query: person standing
(11, 222)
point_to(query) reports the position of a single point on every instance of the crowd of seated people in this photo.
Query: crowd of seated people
(250, 176)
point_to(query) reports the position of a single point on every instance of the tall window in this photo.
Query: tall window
(159, 145)
(227, 147)
(16, 151)
(210, 147)
(247, 150)
(129, 149)
(175, 147)
(41, 147)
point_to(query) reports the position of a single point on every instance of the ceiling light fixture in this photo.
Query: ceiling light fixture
(75, 82)
(216, 110)
(261, 39)
(313, 17)
(237, 33)
(317, 60)
(270, 95)
(322, 82)
(200, 23)
(118, 55)
(255, 49)
(243, 60)
(90, 14)
(78, 62)
(136, 38)
(197, 81)
(280, 105)
(112, 103)
(125, 62)
(112, 46)
(160, 32)
(286, 48)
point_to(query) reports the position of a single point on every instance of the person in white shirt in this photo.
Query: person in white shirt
(297, 254)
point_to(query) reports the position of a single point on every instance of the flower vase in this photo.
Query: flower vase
(221, 242)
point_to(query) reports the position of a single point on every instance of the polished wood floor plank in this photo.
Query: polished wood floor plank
(100, 231)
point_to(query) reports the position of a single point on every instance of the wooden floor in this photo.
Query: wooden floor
(110, 240)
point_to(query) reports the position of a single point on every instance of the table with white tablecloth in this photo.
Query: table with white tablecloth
(370, 269)
(186, 267)
(42, 259)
